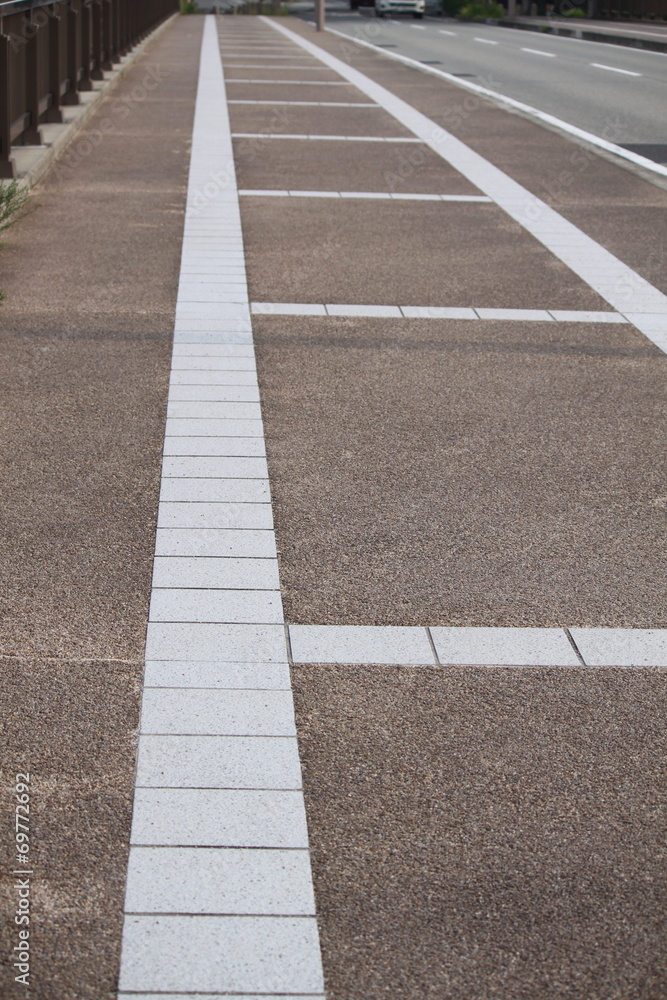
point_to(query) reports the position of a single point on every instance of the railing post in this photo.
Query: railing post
(72, 27)
(32, 135)
(6, 163)
(118, 30)
(107, 34)
(97, 48)
(86, 36)
(55, 77)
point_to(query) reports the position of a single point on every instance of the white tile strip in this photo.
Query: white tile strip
(360, 644)
(622, 647)
(433, 312)
(219, 895)
(300, 69)
(191, 955)
(321, 138)
(497, 646)
(539, 647)
(625, 290)
(310, 104)
(295, 83)
(215, 996)
(382, 195)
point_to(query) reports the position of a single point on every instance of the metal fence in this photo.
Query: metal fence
(51, 50)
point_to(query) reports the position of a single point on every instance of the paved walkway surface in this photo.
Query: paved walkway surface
(444, 593)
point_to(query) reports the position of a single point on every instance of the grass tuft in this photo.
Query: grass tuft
(13, 201)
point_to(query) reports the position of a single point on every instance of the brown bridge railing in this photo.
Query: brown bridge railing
(51, 50)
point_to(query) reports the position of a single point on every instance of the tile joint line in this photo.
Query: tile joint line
(577, 653)
(433, 649)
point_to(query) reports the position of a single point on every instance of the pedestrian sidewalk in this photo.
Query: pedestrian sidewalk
(349, 429)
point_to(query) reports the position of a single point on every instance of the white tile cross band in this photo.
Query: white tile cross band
(460, 646)
(433, 312)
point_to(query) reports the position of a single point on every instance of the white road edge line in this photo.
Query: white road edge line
(527, 109)
(225, 904)
(614, 69)
(625, 290)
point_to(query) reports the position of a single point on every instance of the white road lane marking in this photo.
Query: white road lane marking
(222, 904)
(485, 41)
(614, 69)
(442, 31)
(539, 52)
(625, 290)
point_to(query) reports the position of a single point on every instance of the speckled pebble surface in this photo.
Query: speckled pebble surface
(486, 832)
(465, 473)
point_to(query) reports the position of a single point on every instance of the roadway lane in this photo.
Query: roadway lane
(615, 93)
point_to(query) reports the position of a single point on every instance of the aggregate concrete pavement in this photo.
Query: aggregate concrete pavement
(476, 831)
(90, 283)
(409, 253)
(464, 473)
(341, 166)
(71, 724)
(282, 118)
(482, 832)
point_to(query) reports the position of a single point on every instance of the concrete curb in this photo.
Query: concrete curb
(586, 35)
(67, 131)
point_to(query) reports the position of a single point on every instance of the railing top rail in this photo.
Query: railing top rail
(8, 7)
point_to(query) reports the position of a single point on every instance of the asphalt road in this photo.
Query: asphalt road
(615, 93)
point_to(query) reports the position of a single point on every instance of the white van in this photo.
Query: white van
(391, 7)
